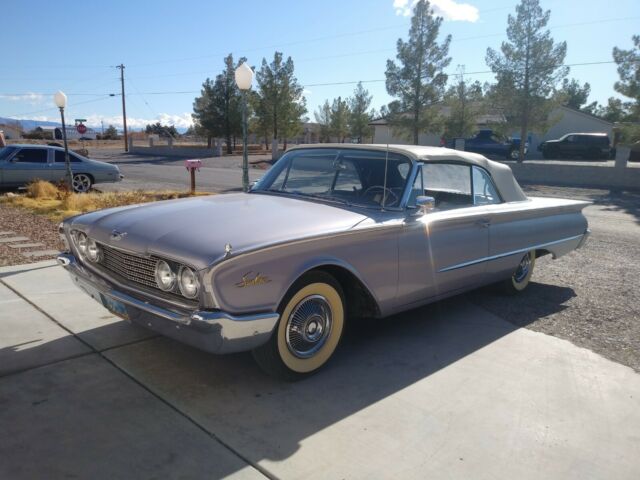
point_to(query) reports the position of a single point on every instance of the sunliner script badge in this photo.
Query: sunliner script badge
(250, 279)
(117, 236)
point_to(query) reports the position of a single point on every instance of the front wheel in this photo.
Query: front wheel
(514, 154)
(521, 276)
(312, 317)
(81, 183)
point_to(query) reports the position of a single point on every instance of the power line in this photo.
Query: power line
(360, 32)
(324, 84)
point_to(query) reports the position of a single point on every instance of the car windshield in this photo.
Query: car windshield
(349, 176)
(6, 151)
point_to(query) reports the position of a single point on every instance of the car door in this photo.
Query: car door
(443, 251)
(59, 166)
(27, 164)
(571, 146)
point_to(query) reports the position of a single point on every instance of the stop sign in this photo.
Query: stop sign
(81, 129)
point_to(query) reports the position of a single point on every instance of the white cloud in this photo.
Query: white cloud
(30, 98)
(448, 9)
(183, 120)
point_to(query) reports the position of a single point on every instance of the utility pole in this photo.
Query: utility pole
(124, 108)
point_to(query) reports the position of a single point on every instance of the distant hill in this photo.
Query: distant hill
(28, 124)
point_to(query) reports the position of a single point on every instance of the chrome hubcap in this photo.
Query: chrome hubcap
(81, 183)
(308, 326)
(523, 269)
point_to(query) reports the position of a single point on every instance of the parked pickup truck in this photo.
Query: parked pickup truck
(487, 142)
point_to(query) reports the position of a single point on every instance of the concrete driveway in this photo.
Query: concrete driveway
(446, 391)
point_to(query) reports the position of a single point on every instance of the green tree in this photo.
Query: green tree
(280, 103)
(161, 130)
(359, 114)
(572, 94)
(323, 118)
(110, 133)
(465, 102)
(628, 62)
(339, 125)
(418, 80)
(614, 111)
(217, 111)
(205, 114)
(527, 68)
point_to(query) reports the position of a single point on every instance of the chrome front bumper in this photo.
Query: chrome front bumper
(213, 331)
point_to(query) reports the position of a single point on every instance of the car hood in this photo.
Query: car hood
(195, 230)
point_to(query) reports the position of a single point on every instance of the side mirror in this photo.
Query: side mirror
(425, 204)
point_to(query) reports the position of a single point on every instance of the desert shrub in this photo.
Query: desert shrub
(41, 189)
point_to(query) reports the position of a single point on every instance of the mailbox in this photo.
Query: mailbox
(192, 166)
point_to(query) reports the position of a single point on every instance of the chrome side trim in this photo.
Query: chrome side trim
(513, 252)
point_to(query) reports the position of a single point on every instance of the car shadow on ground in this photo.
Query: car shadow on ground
(539, 300)
(267, 419)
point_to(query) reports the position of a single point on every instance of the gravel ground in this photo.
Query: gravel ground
(38, 228)
(591, 296)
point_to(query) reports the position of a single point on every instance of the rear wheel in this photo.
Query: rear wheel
(521, 276)
(312, 317)
(81, 183)
(514, 153)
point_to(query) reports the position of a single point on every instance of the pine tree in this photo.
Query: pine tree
(628, 62)
(323, 118)
(339, 125)
(465, 104)
(418, 80)
(360, 116)
(280, 101)
(572, 94)
(528, 67)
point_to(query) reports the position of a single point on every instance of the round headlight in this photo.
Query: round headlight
(189, 284)
(81, 243)
(93, 250)
(165, 277)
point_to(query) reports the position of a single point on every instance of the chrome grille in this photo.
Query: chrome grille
(131, 267)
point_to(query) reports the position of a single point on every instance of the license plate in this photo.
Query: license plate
(115, 307)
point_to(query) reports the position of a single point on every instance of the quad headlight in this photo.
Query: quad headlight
(93, 251)
(165, 276)
(81, 242)
(188, 282)
(87, 247)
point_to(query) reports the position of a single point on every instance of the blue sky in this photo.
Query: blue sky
(173, 46)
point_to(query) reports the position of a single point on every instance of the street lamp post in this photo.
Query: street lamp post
(60, 100)
(244, 78)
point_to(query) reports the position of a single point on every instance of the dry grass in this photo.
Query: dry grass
(42, 190)
(46, 199)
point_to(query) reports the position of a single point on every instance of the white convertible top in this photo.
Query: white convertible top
(500, 173)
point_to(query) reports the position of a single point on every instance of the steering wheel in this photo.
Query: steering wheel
(391, 197)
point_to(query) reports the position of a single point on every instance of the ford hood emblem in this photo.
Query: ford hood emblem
(117, 236)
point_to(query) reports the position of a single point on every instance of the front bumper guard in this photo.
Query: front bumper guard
(210, 330)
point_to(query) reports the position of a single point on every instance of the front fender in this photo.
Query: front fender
(257, 281)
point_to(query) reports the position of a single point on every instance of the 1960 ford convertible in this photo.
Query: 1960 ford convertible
(330, 232)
